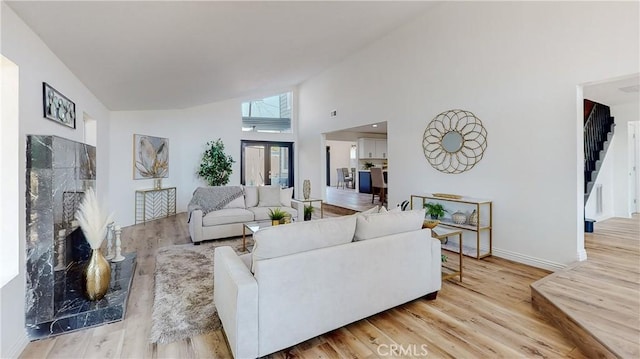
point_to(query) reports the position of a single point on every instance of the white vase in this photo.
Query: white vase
(306, 189)
(459, 218)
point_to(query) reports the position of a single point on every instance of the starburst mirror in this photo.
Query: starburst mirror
(454, 141)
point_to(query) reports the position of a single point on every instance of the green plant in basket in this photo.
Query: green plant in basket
(435, 210)
(277, 214)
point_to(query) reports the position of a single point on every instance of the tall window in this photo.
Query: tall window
(10, 144)
(270, 114)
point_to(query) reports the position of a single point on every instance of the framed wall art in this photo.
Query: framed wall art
(150, 157)
(57, 107)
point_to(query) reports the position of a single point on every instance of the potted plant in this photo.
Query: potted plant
(308, 211)
(215, 167)
(277, 216)
(436, 210)
(367, 165)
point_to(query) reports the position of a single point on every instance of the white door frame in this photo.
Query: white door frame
(634, 166)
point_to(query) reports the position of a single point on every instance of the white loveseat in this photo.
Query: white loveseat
(253, 205)
(307, 278)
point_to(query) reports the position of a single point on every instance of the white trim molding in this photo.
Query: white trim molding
(528, 260)
(582, 255)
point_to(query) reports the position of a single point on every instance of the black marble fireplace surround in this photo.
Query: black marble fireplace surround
(58, 172)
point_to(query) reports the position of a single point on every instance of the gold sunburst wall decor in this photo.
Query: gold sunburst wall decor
(454, 141)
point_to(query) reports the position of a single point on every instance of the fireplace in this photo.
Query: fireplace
(58, 172)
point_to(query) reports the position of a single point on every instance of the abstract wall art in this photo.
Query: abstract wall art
(58, 107)
(150, 157)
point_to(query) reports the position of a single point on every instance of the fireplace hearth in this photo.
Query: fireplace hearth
(58, 172)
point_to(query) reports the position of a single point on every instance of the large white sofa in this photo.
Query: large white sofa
(307, 278)
(253, 205)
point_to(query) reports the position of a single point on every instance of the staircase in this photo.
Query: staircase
(598, 132)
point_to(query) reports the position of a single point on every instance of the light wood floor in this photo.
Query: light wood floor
(350, 198)
(488, 316)
(597, 301)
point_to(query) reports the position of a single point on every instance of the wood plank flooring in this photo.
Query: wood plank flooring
(597, 302)
(349, 198)
(488, 315)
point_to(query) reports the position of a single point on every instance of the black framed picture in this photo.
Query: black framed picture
(57, 107)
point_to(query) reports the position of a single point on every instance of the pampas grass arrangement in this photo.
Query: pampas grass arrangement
(93, 222)
(92, 219)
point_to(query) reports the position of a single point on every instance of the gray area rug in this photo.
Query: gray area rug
(183, 304)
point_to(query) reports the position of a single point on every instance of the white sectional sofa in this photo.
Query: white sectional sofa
(307, 278)
(253, 205)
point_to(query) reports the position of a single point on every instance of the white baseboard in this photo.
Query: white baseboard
(16, 349)
(528, 260)
(582, 255)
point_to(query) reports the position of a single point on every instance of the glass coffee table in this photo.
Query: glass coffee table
(251, 228)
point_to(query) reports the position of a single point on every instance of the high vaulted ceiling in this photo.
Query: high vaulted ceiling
(166, 55)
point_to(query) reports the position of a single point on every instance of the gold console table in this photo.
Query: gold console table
(477, 235)
(155, 203)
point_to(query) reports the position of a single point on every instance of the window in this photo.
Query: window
(266, 163)
(268, 115)
(10, 144)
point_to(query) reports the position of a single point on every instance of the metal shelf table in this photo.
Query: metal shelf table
(155, 203)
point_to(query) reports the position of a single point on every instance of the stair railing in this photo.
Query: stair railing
(595, 129)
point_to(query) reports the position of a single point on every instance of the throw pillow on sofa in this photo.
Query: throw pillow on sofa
(375, 209)
(383, 224)
(236, 203)
(251, 196)
(286, 194)
(269, 196)
(278, 241)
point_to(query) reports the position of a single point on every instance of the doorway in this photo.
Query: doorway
(90, 130)
(633, 141)
(328, 166)
(264, 163)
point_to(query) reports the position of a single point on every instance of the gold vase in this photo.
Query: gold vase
(97, 276)
(275, 222)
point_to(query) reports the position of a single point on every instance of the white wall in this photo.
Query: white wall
(340, 157)
(623, 114)
(38, 64)
(188, 131)
(517, 67)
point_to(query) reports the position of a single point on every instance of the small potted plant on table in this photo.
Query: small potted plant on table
(277, 216)
(436, 210)
(308, 211)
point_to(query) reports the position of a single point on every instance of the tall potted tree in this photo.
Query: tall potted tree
(215, 167)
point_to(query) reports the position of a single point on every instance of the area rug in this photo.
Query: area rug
(183, 304)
